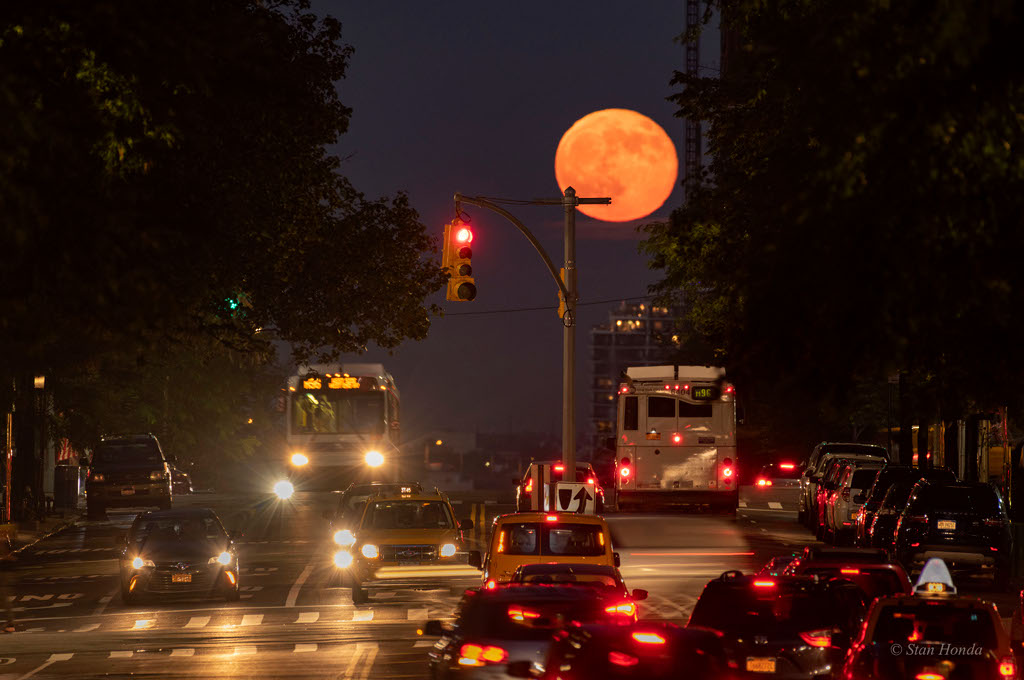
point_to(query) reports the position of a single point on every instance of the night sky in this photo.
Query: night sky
(474, 97)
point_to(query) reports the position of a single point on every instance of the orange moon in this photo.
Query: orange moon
(618, 153)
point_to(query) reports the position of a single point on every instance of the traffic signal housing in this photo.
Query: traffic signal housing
(457, 260)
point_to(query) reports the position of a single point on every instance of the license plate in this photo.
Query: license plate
(760, 664)
(181, 578)
(127, 492)
(947, 525)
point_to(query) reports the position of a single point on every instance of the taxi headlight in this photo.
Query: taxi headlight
(370, 551)
(344, 538)
(223, 558)
(374, 458)
(299, 459)
(139, 563)
(343, 559)
(447, 550)
(284, 489)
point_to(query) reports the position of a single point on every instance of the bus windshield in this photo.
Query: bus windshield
(320, 412)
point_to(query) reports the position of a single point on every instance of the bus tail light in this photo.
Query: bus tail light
(624, 472)
(529, 486)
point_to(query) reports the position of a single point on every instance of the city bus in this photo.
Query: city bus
(676, 439)
(342, 424)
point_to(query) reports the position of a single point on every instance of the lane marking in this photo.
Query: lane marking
(142, 624)
(54, 658)
(121, 655)
(308, 617)
(370, 650)
(293, 594)
(423, 643)
(362, 615)
(774, 506)
(86, 628)
(252, 619)
(417, 614)
(742, 504)
(104, 601)
(245, 650)
(197, 621)
(184, 651)
(301, 648)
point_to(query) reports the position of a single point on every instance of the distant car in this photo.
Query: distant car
(776, 565)
(603, 577)
(344, 518)
(814, 467)
(178, 553)
(780, 626)
(829, 482)
(886, 477)
(783, 475)
(181, 482)
(585, 473)
(648, 651)
(883, 526)
(128, 471)
(843, 504)
(875, 578)
(507, 624)
(963, 523)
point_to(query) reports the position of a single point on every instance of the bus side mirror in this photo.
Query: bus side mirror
(475, 560)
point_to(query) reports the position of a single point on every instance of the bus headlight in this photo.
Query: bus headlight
(370, 551)
(284, 489)
(447, 550)
(343, 559)
(374, 458)
(344, 538)
(299, 459)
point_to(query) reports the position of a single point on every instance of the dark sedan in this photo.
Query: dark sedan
(178, 553)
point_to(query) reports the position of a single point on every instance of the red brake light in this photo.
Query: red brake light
(624, 609)
(590, 480)
(529, 485)
(729, 389)
(727, 472)
(649, 638)
(624, 471)
(620, 659)
(491, 584)
(786, 466)
(929, 676)
(559, 468)
(760, 482)
(677, 439)
(849, 570)
(552, 518)
(520, 614)
(1007, 667)
(764, 584)
(477, 655)
(817, 638)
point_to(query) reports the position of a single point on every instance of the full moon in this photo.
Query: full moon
(618, 153)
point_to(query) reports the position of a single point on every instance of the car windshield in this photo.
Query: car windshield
(167, 529)
(532, 538)
(935, 622)
(120, 453)
(408, 514)
(753, 608)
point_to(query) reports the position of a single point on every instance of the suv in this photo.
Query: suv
(888, 476)
(128, 471)
(809, 487)
(843, 504)
(405, 540)
(585, 474)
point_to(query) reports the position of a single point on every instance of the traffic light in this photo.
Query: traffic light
(456, 260)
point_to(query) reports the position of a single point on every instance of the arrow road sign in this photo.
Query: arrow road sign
(575, 497)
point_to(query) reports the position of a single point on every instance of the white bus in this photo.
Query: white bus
(342, 421)
(676, 439)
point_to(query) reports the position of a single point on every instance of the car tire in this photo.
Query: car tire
(801, 515)
(359, 594)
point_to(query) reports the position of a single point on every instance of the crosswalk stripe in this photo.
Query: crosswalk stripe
(86, 628)
(197, 621)
(423, 643)
(774, 505)
(252, 619)
(308, 617)
(416, 614)
(183, 651)
(121, 655)
(247, 649)
(742, 504)
(362, 615)
(310, 647)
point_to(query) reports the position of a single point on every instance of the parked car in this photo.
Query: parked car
(883, 526)
(809, 486)
(128, 471)
(181, 482)
(844, 502)
(784, 475)
(886, 477)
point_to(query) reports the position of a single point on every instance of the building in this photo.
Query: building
(635, 335)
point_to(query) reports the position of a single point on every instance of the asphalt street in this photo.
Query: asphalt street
(290, 624)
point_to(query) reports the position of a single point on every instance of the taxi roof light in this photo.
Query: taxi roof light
(935, 579)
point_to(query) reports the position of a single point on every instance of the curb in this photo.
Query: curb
(53, 532)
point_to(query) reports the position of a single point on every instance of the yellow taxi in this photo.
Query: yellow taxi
(524, 538)
(405, 540)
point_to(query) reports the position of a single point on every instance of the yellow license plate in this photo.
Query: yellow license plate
(947, 525)
(181, 578)
(760, 664)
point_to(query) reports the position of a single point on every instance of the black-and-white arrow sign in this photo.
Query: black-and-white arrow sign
(575, 497)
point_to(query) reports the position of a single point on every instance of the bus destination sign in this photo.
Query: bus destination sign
(706, 392)
(333, 383)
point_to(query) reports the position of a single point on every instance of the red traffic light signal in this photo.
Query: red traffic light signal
(456, 260)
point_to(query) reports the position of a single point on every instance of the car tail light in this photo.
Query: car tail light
(1007, 667)
(624, 471)
(529, 486)
(817, 638)
(727, 472)
(479, 655)
(95, 476)
(590, 480)
(849, 571)
(764, 584)
(624, 609)
(998, 522)
(649, 638)
(491, 584)
(559, 468)
(846, 494)
(787, 466)
(764, 482)
(929, 676)
(520, 614)
(677, 439)
(620, 659)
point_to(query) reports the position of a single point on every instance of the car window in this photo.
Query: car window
(408, 515)
(897, 496)
(563, 578)
(519, 539)
(935, 623)
(745, 609)
(874, 582)
(530, 538)
(862, 479)
(177, 529)
(661, 407)
(119, 453)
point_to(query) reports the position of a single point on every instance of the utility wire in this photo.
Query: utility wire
(548, 307)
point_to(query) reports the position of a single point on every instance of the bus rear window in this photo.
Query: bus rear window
(688, 410)
(630, 414)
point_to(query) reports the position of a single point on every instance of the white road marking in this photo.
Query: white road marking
(423, 643)
(141, 624)
(300, 648)
(293, 594)
(252, 619)
(742, 504)
(308, 617)
(86, 628)
(366, 651)
(416, 614)
(774, 506)
(121, 655)
(104, 601)
(197, 621)
(184, 651)
(245, 650)
(54, 658)
(362, 615)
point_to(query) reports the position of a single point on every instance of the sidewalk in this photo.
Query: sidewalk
(24, 534)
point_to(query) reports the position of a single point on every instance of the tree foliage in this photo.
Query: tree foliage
(862, 209)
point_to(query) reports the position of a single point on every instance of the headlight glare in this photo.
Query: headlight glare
(157, 475)
(374, 458)
(284, 489)
(447, 550)
(299, 459)
(343, 559)
(344, 538)
(223, 558)
(139, 563)
(370, 551)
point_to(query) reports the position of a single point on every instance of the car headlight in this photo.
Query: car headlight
(284, 489)
(139, 563)
(299, 459)
(370, 551)
(343, 559)
(447, 550)
(344, 538)
(157, 475)
(223, 558)
(374, 458)
(96, 477)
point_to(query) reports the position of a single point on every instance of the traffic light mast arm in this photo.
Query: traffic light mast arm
(484, 203)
